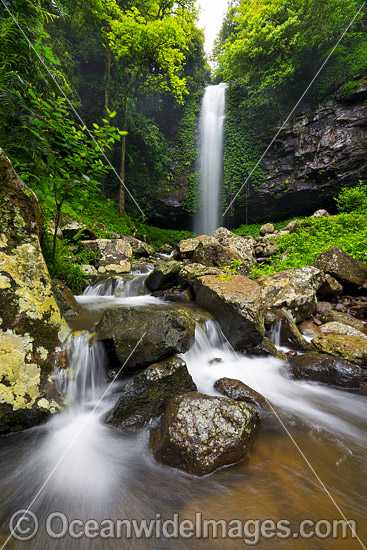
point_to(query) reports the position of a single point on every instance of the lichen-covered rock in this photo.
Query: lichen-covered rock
(187, 247)
(191, 272)
(140, 248)
(318, 367)
(238, 391)
(266, 348)
(163, 333)
(331, 316)
(65, 299)
(266, 229)
(330, 287)
(351, 348)
(293, 290)
(147, 394)
(200, 433)
(115, 254)
(321, 213)
(30, 322)
(340, 328)
(237, 306)
(342, 266)
(217, 255)
(244, 246)
(163, 276)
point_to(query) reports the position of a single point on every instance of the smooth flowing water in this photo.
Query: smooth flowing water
(212, 117)
(78, 466)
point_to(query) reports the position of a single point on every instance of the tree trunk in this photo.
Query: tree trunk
(122, 169)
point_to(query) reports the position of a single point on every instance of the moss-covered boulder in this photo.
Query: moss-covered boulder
(162, 332)
(236, 304)
(147, 394)
(293, 290)
(334, 371)
(164, 276)
(200, 433)
(351, 348)
(342, 266)
(187, 247)
(30, 322)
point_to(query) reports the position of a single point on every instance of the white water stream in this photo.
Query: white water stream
(89, 471)
(212, 117)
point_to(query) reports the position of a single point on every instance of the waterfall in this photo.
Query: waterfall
(209, 217)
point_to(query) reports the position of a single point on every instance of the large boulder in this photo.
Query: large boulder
(189, 273)
(340, 328)
(236, 304)
(218, 255)
(330, 287)
(331, 316)
(146, 396)
(187, 247)
(31, 327)
(162, 332)
(351, 348)
(266, 229)
(293, 290)
(140, 248)
(200, 433)
(115, 254)
(244, 246)
(164, 276)
(343, 267)
(318, 367)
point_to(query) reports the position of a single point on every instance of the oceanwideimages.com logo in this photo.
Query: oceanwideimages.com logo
(24, 525)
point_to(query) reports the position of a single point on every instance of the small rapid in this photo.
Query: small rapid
(78, 465)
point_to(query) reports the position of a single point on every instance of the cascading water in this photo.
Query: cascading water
(89, 471)
(212, 117)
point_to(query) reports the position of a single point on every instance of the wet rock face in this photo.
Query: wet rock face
(30, 321)
(293, 290)
(238, 391)
(163, 332)
(312, 159)
(65, 299)
(317, 367)
(237, 306)
(331, 316)
(164, 276)
(200, 433)
(115, 254)
(146, 396)
(289, 335)
(343, 267)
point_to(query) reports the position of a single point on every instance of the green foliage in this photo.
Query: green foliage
(347, 231)
(254, 229)
(63, 265)
(230, 270)
(353, 199)
(158, 237)
(186, 152)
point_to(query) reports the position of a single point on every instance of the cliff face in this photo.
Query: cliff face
(311, 160)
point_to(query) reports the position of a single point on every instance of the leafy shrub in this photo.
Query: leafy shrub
(353, 199)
